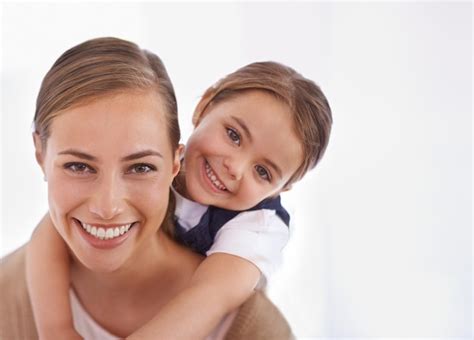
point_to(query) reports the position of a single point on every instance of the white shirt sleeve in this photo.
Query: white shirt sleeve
(258, 236)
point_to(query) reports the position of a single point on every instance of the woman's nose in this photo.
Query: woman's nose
(108, 199)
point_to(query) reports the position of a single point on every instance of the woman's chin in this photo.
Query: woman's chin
(103, 266)
(107, 262)
(102, 258)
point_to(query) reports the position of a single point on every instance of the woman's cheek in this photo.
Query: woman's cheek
(150, 196)
(65, 195)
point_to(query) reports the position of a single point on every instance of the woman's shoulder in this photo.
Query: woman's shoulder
(258, 318)
(16, 321)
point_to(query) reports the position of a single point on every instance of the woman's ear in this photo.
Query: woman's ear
(177, 159)
(39, 150)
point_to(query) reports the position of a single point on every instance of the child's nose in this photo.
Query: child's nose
(235, 167)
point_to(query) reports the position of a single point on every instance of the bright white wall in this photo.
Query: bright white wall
(382, 245)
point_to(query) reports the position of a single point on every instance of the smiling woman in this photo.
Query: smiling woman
(106, 138)
(92, 152)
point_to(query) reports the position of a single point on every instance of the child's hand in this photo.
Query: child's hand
(47, 253)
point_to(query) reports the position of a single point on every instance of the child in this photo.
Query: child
(257, 131)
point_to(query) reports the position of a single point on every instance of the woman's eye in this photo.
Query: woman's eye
(141, 168)
(233, 135)
(79, 168)
(263, 173)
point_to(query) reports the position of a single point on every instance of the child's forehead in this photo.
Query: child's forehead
(266, 126)
(254, 104)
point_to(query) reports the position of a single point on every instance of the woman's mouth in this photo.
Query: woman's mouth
(213, 178)
(105, 233)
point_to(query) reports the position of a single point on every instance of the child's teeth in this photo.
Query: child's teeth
(213, 178)
(116, 232)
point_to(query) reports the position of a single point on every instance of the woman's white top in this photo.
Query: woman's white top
(89, 329)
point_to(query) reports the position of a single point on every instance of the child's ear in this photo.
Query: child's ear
(177, 159)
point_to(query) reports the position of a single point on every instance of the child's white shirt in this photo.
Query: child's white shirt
(258, 236)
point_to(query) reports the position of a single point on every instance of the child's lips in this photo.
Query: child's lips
(217, 183)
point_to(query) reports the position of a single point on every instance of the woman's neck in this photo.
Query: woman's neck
(139, 288)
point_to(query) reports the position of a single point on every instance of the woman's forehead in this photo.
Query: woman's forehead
(114, 121)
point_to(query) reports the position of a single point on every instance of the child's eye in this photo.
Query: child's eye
(141, 168)
(79, 168)
(233, 135)
(263, 173)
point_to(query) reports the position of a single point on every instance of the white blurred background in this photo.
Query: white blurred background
(382, 244)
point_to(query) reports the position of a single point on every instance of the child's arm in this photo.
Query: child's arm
(47, 272)
(221, 283)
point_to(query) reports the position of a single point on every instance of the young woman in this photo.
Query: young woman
(110, 104)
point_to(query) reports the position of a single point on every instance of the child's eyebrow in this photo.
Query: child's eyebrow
(130, 157)
(274, 166)
(243, 126)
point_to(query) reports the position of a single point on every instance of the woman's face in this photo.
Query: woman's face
(109, 165)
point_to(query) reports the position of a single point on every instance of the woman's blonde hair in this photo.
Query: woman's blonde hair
(100, 67)
(309, 107)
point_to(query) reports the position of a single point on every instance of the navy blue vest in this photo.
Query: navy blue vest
(201, 237)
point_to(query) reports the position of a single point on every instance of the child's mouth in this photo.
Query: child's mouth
(213, 178)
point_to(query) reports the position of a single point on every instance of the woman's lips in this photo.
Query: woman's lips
(105, 237)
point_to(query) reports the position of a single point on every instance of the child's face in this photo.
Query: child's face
(243, 150)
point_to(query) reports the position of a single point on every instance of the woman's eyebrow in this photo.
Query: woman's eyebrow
(78, 154)
(86, 156)
(141, 154)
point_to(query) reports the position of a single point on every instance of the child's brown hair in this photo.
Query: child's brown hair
(310, 109)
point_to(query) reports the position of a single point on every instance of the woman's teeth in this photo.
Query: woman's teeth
(212, 176)
(106, 234)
